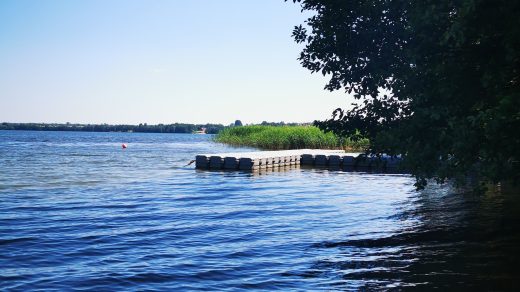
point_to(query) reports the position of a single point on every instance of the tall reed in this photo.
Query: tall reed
(286, 137)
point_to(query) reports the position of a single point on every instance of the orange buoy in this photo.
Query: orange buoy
(124, 146)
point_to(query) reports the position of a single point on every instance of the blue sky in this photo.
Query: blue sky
(153, 61)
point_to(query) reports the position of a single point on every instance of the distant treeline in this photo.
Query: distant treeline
(278, 124)
(141, 128)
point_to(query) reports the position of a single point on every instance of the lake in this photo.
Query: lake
(79, 212)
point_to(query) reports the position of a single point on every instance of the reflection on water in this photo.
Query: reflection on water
(77, 211)
(459, 241)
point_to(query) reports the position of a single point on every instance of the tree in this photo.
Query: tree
(238, 123)
(436, 80)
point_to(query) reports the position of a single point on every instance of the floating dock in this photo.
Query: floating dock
(262, 160)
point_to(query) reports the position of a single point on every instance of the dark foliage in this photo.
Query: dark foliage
(435, 80)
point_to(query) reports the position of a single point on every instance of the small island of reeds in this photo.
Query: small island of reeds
(286, 137)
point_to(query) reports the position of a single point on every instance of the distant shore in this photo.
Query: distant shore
(141, 128)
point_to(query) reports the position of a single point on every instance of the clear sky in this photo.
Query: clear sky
(152, 61)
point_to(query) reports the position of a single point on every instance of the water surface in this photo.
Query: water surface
(77, 211)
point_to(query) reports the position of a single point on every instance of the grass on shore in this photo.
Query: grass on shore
(286, 137)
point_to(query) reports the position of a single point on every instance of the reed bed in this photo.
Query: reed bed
(286, 137)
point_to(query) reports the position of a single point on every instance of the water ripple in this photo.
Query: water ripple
(78, 212)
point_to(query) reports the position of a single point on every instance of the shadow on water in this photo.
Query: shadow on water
(461, 240)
